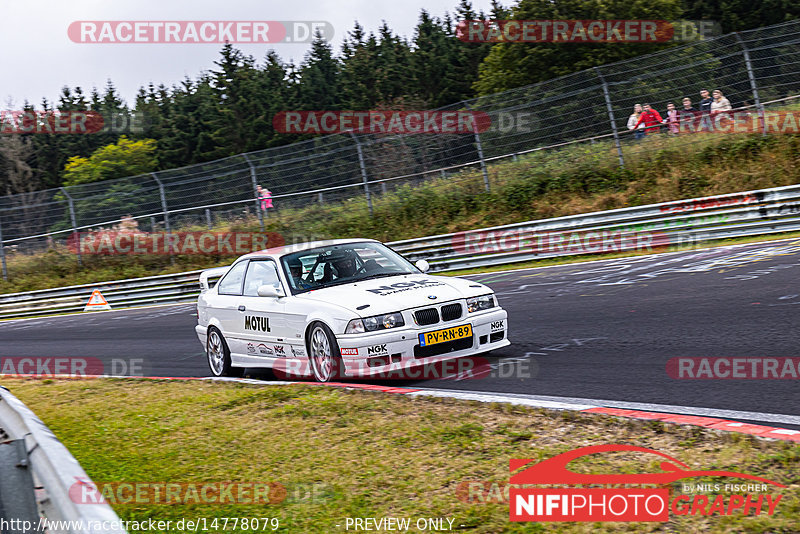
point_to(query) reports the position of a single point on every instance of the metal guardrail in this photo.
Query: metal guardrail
(162, 289)
(682, 222)
(54, 472)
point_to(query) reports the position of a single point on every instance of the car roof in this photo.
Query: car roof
(297, 247)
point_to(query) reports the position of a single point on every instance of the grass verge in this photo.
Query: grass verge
(371, 454)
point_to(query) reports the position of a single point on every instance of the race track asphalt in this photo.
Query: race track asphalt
(598, 330)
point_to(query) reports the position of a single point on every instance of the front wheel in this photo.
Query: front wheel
(323, 353)
(219, 355)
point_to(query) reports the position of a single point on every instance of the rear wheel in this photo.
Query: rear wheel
(323, 354)
(219, 355)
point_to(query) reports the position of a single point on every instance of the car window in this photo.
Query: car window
(337, 264)
(260, 273)
(232, 283)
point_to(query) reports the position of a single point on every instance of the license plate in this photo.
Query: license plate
(445, 334)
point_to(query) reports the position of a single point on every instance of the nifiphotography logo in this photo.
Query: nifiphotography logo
(626, 503)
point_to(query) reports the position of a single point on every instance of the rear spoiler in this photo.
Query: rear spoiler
(216, 272)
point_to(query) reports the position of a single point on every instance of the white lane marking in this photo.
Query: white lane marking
(570, 402)
(648, 407)
(627, 258)
(488, 397)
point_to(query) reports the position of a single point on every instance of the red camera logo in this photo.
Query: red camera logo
(624, 504)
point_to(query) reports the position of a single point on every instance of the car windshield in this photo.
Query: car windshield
(342, 264)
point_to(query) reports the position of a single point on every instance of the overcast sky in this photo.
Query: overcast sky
(38, 57)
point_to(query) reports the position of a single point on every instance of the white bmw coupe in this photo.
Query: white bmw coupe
(341, 308)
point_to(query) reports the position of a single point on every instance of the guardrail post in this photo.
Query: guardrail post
(74, 221)
(749, 66)
(479, 146)
(363, 172)
(254, 181)
(319, 197)
(3, 255)
(611, 119)
(165, 211)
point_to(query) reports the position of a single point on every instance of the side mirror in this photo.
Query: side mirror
(269, 291)
(423, 265)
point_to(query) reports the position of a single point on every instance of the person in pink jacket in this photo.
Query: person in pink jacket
(671, 119)
(264, 198)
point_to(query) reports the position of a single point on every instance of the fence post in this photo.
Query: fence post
(165, 210)
(319, 198)
(363, 172)
(480, 150)
(611, 117)
(749, 66)
(3, 255)
(253, 179)
(208, 219)
(74, 222)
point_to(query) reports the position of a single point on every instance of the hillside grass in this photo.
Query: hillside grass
(572, 180)
(342, 453)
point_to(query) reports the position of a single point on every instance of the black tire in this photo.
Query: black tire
(219, 355)
(324, 357)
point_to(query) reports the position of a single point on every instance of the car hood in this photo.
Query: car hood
(396, 293)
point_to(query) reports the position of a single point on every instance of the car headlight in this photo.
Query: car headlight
(484, 302)
(376, 322)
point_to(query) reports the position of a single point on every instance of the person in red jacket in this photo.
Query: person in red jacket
(650, 118)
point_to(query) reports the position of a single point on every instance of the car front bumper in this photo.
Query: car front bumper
(397, 354)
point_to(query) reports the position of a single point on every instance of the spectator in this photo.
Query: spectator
(705, 103)
(671, 119)
(687, 115)
(720, 103)
(650, 118)
(264, 198)
(634, 119)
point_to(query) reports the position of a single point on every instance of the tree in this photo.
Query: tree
(119, 160)
(510, 65)
(434, 60)
(320, 84)
(16, 155)
(360, 70)
(738, 15)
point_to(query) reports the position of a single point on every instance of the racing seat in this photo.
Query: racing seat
(327, 274)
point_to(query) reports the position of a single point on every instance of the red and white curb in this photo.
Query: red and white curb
(695, 416)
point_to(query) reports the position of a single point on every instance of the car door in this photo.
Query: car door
(262, 327)
(223, 305)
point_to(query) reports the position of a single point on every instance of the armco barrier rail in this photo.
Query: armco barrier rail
(641, 228)
(54, 473)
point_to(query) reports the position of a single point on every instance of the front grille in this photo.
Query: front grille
(442, 348)
(427, 316)
(451, 312)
